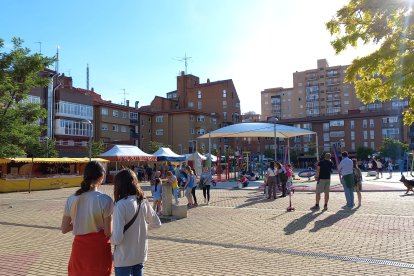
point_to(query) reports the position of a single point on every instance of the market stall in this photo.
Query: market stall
(26, 174)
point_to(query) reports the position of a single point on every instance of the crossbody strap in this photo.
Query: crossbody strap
(134, 218)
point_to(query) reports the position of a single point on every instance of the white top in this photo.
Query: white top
(272, 172)
(131, 247)
(379, 164)
(87, 211)
(346, 166)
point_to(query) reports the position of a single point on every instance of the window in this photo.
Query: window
(191, 117)
(307, 126)
(159, 118)
(33, 99)
(372, 145)
(142, 122)
(346, 102)
(133, 115)
(123, 129)
(371, 134)
(353, 146)
(115, 128)
(352, 135)
(192, 131)
(326, 137)
(200, 118)
(337, 134)
(201, 131)
(336, 123)
(159, 132)
(199, 95)
(104, 127)
(199, 104)
(237, 105)
(224, 104)
(390, 120)
(190, 104)
(364, 124)
(371, 123)
(300, 84)
(123, 114)
(365, 135)
(224, 115)
(365, 144)
(326, 147)
(115, 113)
(224, 94)
(325, 126)
(352, 124)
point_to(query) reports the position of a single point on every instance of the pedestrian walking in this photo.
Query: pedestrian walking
(345, 167)
(157, 194)
(323, 178)
(88, 214)
(193, 190)
(271, 180)
(358, 182)
(133, 216)
(188, 187)
(205, 182)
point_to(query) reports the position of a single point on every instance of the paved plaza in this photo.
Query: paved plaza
(239, 233)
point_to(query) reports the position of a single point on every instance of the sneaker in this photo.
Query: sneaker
(208, 202)
(325, 207)
(316, 207)
(205, 201)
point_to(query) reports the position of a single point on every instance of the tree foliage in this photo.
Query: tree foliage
(45, 148)
(362, 153)
(388, 72)
(20, 72)
(98, 148)
(393, 149)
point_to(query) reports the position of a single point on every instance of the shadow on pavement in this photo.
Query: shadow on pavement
(332, 219)
(30, 225)
(250, 201)
(300, 223)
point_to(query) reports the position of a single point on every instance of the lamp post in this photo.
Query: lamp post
(90, 136)
(274, 119)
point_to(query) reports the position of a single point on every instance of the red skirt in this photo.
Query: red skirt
(91, 255)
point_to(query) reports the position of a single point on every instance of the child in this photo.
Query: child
(156, 193)
(172, 179)
(357, 181)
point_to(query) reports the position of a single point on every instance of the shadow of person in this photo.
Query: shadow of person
(332, 219)
(300, 223)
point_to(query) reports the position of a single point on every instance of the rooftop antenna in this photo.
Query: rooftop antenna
(57, 59)
(87, 76)
(123, 89)
(40, 46)
(185, 59)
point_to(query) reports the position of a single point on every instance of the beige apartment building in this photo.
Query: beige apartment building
(321, 101)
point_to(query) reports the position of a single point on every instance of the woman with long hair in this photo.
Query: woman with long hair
(189, 185)
(88, 215)
(271, 180)
(133, 216)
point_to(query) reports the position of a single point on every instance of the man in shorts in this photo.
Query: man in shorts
(323, 178)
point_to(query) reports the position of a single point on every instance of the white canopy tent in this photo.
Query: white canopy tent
(127, 153)
(259, 130)
(197, 159)
(166, 154)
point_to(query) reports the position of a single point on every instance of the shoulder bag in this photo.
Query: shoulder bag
(134, 218)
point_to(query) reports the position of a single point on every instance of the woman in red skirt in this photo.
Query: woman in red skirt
(88, 214)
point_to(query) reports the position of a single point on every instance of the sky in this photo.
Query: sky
(139, 45)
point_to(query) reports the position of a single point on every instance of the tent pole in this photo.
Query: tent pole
(288, 150)
(317, 147)
(209, 152)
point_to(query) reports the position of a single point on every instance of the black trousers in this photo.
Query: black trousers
(206, 192)
(193, 192)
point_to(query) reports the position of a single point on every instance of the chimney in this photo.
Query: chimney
(182, 73)
(208, 80)
(127, 103)
(136, 104)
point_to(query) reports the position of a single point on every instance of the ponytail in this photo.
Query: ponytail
(93, 171)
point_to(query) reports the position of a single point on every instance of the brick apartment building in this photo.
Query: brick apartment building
(321, 101)
(192, 110)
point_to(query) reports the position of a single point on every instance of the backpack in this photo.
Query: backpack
(283, 177)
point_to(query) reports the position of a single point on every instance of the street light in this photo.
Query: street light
(90, 136)
(46, 138)
(274, 119)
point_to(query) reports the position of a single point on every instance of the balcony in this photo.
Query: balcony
(331, 74)
(312, 77)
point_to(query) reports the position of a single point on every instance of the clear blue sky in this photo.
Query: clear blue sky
(135, 44)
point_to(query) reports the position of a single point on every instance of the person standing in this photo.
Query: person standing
(188, 187)
(172, 179)
(358, 181)
(379, 167)
(282, 178)
(205, 182)
(345, 167)
(156, 190)
(323, 178)
(88, 214)
(133, 216)
(390, 168)
(271, 182)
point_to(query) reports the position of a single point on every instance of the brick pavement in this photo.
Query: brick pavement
(240, 233)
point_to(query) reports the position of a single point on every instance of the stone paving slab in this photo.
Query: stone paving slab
(239, 233)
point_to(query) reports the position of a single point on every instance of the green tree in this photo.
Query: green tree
(362, 153)
(393, 149)
(268, 153)
(20, 72)
(45, 148)
(386, 73)
(98, 148)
